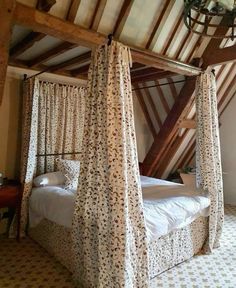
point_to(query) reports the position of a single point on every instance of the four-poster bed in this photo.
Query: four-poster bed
(108, 241)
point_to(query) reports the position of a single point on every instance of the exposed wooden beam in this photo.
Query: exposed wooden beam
(171, 35)
(26, 43)
(6, 12)
(66, 31)
(73, 9)
(32, 37)
(221, 56)
(81, 70)
(142, 77)
(45, 5)
(61, 48)
(162, 97)
(153, 106)
(145, 112)
(187, 123)
(124, 13)
(41, 67)
(158, 21)
(172, 88)
(169, 128)
(154, 157)
(97, 15)
(71, 62)
(225, 95)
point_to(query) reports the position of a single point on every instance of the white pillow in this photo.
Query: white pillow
(50, 179)
(70, 168)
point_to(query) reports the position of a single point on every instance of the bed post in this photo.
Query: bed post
(6, 13)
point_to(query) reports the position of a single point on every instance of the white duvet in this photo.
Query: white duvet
(167, 206)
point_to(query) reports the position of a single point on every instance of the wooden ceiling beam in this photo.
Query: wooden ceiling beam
(187, 123)
(97, 15)
(172, 88)
(33, 37)
(6, 12)
(61, 48)
(154, 157)
(66, 31)
(26, 43)
(68, 63)
(221, 56)
(80, 70)
(153, 106)
(45, 5)
(73, 9)
(145, 112)
(151, 77)
(169, 128)
(122, 17)
(162, 97)
(158, 22)
(23, 64)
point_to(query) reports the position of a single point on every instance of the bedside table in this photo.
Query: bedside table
(10, 196)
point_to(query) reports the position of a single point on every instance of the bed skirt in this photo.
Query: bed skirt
(164, 253)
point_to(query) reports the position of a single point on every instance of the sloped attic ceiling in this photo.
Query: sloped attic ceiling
(155, 25)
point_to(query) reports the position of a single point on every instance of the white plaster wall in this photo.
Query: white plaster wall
(228, 150)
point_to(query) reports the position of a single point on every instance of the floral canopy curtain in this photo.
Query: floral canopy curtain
(53, 121)
(208, 156)
(109, 233)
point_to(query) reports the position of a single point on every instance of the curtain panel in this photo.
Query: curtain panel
(109, 233)
(208, 155)
(53, 121)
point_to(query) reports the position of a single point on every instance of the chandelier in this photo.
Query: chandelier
(204, 16)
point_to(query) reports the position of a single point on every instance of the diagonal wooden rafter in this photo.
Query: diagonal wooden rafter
(6, 12)
(66, 31)
(172, 88)
(81, 70)
(162, 97)
(97, 15)
(145, 111)
(122, 17)
(149, 74)
(160, 17)
(169, 128)
(73, 9)
(71, 62)
(153, 106)
(61, 48)
(221, 56)
(154, 157)
(32, 37)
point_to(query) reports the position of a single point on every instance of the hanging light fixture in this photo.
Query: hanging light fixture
(204, 16)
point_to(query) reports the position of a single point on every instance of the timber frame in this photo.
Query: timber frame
(147, 66)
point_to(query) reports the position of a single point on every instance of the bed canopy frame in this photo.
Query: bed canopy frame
(98, 238)
(132, 270)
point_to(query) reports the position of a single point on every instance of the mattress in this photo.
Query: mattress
(167, 206)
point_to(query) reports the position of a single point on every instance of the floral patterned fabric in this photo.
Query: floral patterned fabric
(208, 157)
(164, 253)
(70, 169)
(109, 233)
(53, 121)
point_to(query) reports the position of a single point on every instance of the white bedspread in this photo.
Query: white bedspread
(167, 206)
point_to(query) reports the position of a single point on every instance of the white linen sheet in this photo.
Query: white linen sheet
(167, 206)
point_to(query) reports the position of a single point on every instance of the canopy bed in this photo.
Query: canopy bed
(118, 229)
